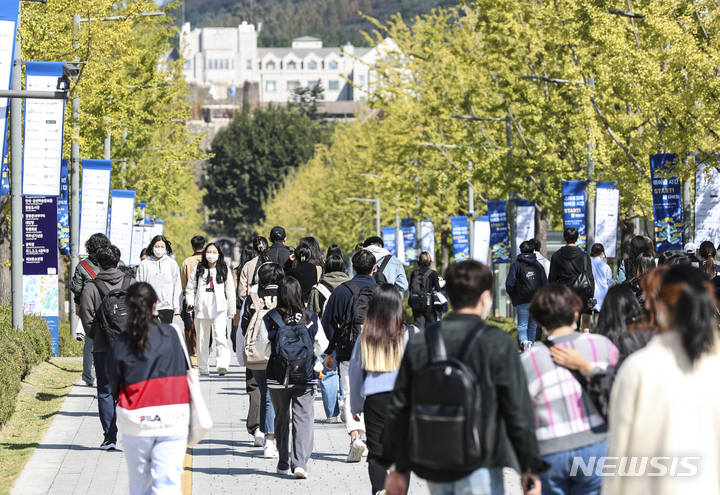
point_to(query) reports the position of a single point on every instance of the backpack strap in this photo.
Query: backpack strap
(127, 282)
(352, 286)
(276, 318)
(384, 262)
(257, 303)
(102, 287)
(88, 269)
(470, 340)
(323, 289)
(435, 342)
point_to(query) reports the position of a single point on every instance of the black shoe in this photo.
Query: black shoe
(108, 444)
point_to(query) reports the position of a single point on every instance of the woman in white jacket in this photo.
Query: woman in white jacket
(163, 273)
(210, 294)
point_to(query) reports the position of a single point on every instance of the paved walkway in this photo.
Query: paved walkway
(68, 460)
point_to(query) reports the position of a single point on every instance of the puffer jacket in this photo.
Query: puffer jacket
(164, 276)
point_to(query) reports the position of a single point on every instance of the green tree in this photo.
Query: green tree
(305, 99)
(252, 156)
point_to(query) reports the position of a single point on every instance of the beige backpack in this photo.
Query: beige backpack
(254, 360)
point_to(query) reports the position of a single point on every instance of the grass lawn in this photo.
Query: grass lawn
(41, 397)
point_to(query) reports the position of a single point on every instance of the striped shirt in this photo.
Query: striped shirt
(565, 417)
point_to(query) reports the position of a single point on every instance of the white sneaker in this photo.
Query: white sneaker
(333, 420)
(365, 452)
(342, 411)
(357, 447)
(283, 471)
(527, 344)
(204, 372)
(270, 450)
(300, 474)
(259, 438)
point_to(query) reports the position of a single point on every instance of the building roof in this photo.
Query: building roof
(306, 38)
(298, 52)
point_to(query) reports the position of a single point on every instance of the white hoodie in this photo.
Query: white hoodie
(164, 276)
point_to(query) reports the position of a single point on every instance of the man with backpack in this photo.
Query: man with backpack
(525, 278)
(101, 300)
(390, 270)
(342, 321)
(460, 411)
(423, 283)
(571, 266)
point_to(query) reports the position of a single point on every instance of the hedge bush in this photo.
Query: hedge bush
(20, 351)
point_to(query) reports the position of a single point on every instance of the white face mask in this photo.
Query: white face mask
(212, 258)
(159, 252)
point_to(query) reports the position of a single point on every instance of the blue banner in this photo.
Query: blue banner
(5, 177)
(573, 202)
(667, 204)
(460, 239)
(40, 236)
(64, 210)
(409, 232)
(388, 236)
(9, 10)
(499, 232)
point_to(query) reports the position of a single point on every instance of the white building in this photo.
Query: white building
(227, 58)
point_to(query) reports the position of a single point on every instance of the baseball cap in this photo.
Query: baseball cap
(277, 234)
(690, 248)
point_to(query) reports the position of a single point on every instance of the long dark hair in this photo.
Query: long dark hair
(333, 249)
(383, 331)
(247, 254)
(643, 264)
(157, 238)
(221, 272)
(316, 254)
(270, 274)
(619, 306)
(290, 301)
(140, 299)
(707, 253)
(638, 244)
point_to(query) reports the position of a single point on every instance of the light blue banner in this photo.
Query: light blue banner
(460, 239)
(409, 232)
(388, 236)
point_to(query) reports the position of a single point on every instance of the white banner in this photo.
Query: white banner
(7, 46)
(137, 245)
(607, 204)
(481, 241)
(427, 239)
(525, 223)
(122, 213)
(707, 206)
(95, 198)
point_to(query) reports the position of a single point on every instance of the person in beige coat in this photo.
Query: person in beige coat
(248, 274)
(210, 293)
(664, 407)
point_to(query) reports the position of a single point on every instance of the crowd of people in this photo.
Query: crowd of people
(602, 368)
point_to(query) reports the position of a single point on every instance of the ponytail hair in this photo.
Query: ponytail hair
(708, 252)
(260, 244)
(140, 300)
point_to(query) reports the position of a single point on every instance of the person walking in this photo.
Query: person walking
(537, 246)
(292, 390)
(163, 273)
(643, 265)
(188, 265)
(279, 253)
(525, 277)
(602, 274)
(424, 282)
(492, 358)
(708, 253)
(147, 374)
(568, 426)
(85, 272)
(389, 267)
(108, 279)
(304, 271)
(572, 267)
(661, 404)
(690, 251)
(211, 295)
(626, 270)
(374, 367)
(249, 272)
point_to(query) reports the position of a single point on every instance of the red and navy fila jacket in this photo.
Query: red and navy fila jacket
(151, 388)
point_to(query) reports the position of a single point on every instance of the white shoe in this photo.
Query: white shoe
(259, 438)
(333, 420)
(283, 471)
(300, 474)
(342, 411)
(270, 450)
(204, 372)
(357, 447)
(365, 452)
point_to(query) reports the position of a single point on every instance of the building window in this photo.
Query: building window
(270, 66)
(292, 66)
(232, 63)
(334, 85)
(227, 63)
(312, 65)
(312, 84)
(248, 64)
(269, 85)
(333, 65)
(292, 85)
(215, 63)
(188, 64)
(361, 80)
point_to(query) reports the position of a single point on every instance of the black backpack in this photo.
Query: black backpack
(582, 285)
(420, 296)
(110, 316)
(294, 352)
(446, 408)
(355, 314)
(379, 276)
(528, 280)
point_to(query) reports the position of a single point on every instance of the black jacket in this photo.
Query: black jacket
(307, 275)
(566, 265)
(433, 276)
(279, 253)
(495, 361)
(511, 280)
(90, 303)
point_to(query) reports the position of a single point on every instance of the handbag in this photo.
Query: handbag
(582, 285)
(200, 420)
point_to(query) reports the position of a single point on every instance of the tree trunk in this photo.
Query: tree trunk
(5, 282)
(444, 251)
(541, 227)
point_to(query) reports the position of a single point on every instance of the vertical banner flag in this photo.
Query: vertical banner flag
(707, 205)
(4, 176)
(64, 210)
(388, 236)
(44, 123)
(95, 196)
(9, 10)
(137, 245)
(525, 211)
(499, 232)
(573, 199)
(121, 222)
(427, 241)
(481, 243)
(460, 240)
(40, 262)
(409, 232)
(607, 205)
(667, 204)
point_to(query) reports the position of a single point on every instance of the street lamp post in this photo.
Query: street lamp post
(378, 229)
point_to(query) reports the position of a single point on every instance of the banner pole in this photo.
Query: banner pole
(16, 234)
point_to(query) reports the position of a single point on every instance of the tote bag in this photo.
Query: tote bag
(200, 420)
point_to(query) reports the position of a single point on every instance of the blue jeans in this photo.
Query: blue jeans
(526, 326)
(483, 481)
(155, 464)
(87, 375)
(267, 412)
(106, 401)
(557, 480)
(328, 386)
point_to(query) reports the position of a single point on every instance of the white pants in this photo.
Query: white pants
(350, 423)
(218, 327)
(155, 464)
